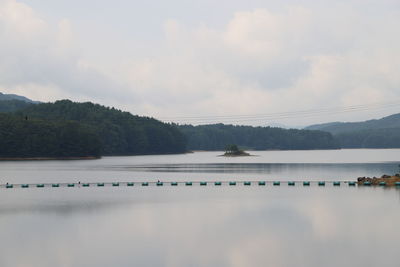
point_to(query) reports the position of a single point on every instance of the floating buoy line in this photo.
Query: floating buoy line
(193, 183)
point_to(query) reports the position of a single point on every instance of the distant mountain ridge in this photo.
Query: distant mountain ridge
(392, 121)
(378, 133)
(6, 97)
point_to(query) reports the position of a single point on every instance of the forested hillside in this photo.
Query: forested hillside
(381, 133)
(21, 137)
(217, 136)
(372, 138)
(120, 133)
(69, 129)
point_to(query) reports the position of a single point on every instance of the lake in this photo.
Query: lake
(202, 225)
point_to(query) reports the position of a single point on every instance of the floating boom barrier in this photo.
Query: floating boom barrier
(200, 183)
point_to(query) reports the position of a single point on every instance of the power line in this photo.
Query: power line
(281, 115)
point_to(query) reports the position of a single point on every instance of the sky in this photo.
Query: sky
(242, 62)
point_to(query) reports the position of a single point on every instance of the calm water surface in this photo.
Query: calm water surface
(202, 226)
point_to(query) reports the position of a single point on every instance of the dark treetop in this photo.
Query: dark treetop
(25, 138)
(68, 129)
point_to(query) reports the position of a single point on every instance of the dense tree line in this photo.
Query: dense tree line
(373, 138)
(69, 129)
(21, 137)
(217, 136)
(120, 133)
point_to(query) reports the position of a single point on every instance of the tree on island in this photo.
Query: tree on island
(233, 150)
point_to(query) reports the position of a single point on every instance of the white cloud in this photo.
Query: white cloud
(267, 62)
(262, 61)
(19, 21)
(42, 59)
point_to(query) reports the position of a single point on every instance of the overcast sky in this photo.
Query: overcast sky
(246, 62)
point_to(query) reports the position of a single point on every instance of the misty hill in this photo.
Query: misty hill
(380, 133)
(392, 121)
(13, 105)
(11, 102)
(16, 97)
(120, 133)
(217, 136)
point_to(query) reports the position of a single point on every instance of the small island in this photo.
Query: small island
(234, 151)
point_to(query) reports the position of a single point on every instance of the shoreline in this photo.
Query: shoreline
(48, 158)
(239, 153)
(234, 156)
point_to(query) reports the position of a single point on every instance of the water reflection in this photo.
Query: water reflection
(270, 165)
(258, 168)
(204, 227)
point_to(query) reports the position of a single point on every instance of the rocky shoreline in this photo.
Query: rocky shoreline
(386, 179)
